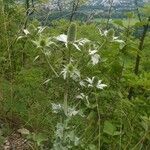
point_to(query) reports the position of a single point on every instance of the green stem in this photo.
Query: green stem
(67, 83)
(66, 96)
(99, 122)
(51, 67)
(138, 58)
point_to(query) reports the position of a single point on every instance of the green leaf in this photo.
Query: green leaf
(92, 147)
(118, 22)
(39, 138)
(117, 133)
(109, 128)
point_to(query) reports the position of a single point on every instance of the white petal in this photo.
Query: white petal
(41, 29)
(82, 83)
(26, 32)
(115, 38)
(105, 32)
(76, 46)
(95, 59)
(101, 86)
(82, 41)
(99, 81)
(100, 32)
(89, 80)
(92, 52)
(62, 38)
(45, 82)
(119, 41)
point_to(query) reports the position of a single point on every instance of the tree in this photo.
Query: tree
(70, 5)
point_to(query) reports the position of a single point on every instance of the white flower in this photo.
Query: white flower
(70, 70)
(90, 81)
(95, 59)
(82, 41)
(92, 52)
(56, 108)
(103, 33)
(72, 112)
(46, 52)
(82, 83)
(100, 85)
(82, 96)
(62, 38)
(26, 32)
(44, 42)
(115, 39)
(94, 56)
(41, 29)
(64, 73)
(76, 44)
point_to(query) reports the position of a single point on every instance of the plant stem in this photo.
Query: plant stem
(51, 66)
(99, 129)
(67, 84)
(99, 122)
(138, 58)
(66, 97)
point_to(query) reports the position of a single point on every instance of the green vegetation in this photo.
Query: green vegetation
(73, 85)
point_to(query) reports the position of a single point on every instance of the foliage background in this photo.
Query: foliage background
(29, 87)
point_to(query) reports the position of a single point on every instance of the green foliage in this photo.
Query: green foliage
(70, 87)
